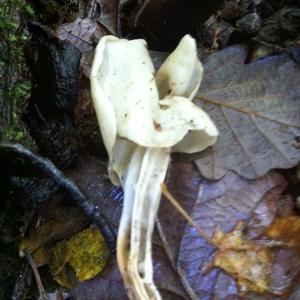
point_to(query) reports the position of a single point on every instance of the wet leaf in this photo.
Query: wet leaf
(287, 230)
(86, 254)
(220, 206)
(256, 108)
(84, 34)
(62, 223)
(109, 16)
(90, 175)
(248, 262)
(183, 260)
(109, 283)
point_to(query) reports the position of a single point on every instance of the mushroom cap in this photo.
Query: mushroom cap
(135, 107)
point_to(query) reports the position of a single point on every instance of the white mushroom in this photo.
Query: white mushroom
(143, 117)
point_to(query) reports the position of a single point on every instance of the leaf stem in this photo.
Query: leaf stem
(185, 215)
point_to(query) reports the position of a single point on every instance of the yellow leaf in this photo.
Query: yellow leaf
(86, 253)
(248, 262)
(62, 223)
(287, 230)
(41, 256)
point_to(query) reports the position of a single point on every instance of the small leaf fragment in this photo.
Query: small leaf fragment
(247, 261)
(86, 253)
(287, 230)
(81, 33)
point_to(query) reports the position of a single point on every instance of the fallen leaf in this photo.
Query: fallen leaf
(222, 205)
(83, 34)
(287, 230)
(256, 108)
(165, 277)
(109, 16)
(86, 253)
(89, 175)
(108, 284)
(248, 262)
(61, 223)
(182, 258)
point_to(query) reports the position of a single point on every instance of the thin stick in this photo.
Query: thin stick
(184, 214)
(48, 168)
(42, 291)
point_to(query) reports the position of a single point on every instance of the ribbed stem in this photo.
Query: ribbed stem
(142, 192)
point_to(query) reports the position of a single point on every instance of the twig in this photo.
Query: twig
(181, 210)
(42, 292)
(49, 169)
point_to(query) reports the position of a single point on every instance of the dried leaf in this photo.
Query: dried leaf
(248, 262)
(256, 108)
(86, 253)
(223, 205)
(62, 223)
(84, 34)
(165, 277)
(90, 176)
(287, 230)
(182, 264)
(109, 16)
(109, 284)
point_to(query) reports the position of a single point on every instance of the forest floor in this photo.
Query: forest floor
(243, 192)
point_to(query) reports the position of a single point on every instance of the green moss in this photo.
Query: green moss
(14, 14)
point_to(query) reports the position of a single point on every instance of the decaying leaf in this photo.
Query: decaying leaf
(287, 230)
(82, 33)
(109, 16)
(256, 108)
(109, 283)
(187, 265)
(248, 262)
(89, 175)
(222, 205)
(86, 254)
(62, 223)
